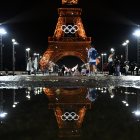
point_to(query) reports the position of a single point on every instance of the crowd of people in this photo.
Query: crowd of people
(118, 66)
(32, 65)
(115, 66)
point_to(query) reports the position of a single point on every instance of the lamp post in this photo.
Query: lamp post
(28, 53)
(102, 56)
(126, 49)
(2, 32)
(14, 43)
(137, 34)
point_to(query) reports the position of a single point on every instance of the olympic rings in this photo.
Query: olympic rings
(69, 29)
(69, 116)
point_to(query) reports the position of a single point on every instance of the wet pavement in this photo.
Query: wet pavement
(22, 81)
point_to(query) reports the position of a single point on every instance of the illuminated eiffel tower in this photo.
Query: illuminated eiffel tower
(69, 37)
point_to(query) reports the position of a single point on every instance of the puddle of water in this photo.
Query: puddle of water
(78, 113)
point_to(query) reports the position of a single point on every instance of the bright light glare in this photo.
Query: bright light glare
(124, 44)
(124, 102)
(137, 33)
(2, 31)
(14, 105)
(28, 49)
(127, 41)
(36, 54)
(15, 43)
(3, 115)
(112, 96)
(112, 50)
(137, 112)
(13, 40)
(103, 54)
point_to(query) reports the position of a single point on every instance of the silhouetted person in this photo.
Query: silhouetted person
(110, 64)
(63, 70)
(29, 66)
(137, 70)
(132, 67)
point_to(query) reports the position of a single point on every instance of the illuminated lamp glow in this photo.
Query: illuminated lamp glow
(137, 112)
(137, 33)
(3, 115)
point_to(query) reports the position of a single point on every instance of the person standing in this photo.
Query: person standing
(35, 65)
(63, 70)
(110, 63)
(92, 55)
(29, 66)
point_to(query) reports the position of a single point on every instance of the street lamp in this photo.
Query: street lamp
(28, 54)
(2, 32)
(137, 34)
(14, 43)
(102, 56)
(126, 49)
(112, 50)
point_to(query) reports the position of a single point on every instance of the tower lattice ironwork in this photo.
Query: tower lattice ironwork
(69, 37)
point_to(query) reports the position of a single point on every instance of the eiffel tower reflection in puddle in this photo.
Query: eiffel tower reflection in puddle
(70, 106)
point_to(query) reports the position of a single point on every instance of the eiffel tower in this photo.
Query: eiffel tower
(69, 38)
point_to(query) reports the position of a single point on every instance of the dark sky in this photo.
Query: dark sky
(31, 22)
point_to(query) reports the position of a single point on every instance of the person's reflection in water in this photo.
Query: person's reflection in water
(92, 94)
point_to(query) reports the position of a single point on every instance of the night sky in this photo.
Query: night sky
(31, 22)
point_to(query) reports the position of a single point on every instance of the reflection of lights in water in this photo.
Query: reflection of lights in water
(14, 99)
(112, 95)
(137, 111)
(38, 90)
(125, 102)
(3, 114)
(57, 91)
(69, 116)
(28, 96)
(92, 94)
(110, 90)
(28, 91)
(102, 89)
(14, 104)
(129, 93)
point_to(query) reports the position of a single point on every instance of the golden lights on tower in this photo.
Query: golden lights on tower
(69, 2)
